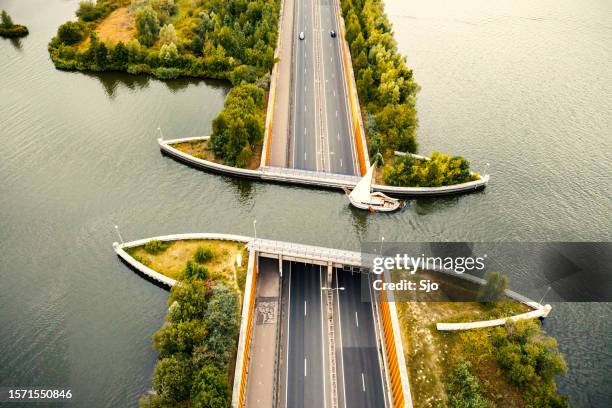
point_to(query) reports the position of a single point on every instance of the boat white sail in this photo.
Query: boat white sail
(363, 189)
(363, 197)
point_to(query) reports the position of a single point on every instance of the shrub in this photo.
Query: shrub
(530, 360)
(203, 255)
(194, 271)
(155, 246)
(70, 33)
(167, 73)
(494, 289)
(464, 389)
(5, 20)
(88, 11)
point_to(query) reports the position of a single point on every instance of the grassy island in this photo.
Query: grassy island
(505, 366)
(197, 344)
(9, 29)
(231, 40)
(387, 93)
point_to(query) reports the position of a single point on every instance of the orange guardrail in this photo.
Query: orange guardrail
(354, 105)
(247, 343)
(272, 100)
(397, 392)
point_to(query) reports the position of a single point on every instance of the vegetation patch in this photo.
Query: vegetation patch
(506, 366)
(197, 345)
(387, 93)
(440, 170)
(180, 260)
(9, 29)
(203, 150)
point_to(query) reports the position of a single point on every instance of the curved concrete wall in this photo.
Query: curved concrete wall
(542, 311)
(321, 180)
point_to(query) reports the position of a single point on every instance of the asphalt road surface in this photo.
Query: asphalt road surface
(305, 371)
(358, 365)
(322, 135)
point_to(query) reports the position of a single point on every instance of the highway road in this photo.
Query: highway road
(322, 138)
(358, 366)
(305, 371)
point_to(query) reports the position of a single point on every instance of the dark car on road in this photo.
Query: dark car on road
(332, 33)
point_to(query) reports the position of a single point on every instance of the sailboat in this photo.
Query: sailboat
(363, 197)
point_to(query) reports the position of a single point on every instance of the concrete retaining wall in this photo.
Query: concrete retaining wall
(310, 178)
(534, 314)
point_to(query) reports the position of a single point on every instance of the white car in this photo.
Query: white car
(301, 35)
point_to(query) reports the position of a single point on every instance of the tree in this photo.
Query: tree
(494, 288)
(70, 33)
(88, 11)
(179, 337)
(5, 20)
(168, 54)
(172, 378)
(134, 51)
(210, 388)
(120, 56)
(101, 55)
(191, 301)
(147, 25)
(167, 35)
(398, 124)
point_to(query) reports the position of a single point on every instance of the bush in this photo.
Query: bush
(155, 246)
(494, 289)
(203, 255)
(530, 360)
(167, 73)
(194, 271)
(464, 389)
(88, 11)
(71, 33)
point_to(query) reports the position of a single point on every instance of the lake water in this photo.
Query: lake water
(522, 85)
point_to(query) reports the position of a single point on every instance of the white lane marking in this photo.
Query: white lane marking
(340, 333)
(363, 382)
(322, 334)
(334, 92)
(356, 319)
(305, 108)
(304, 156)
(305, 131)
(306, 367)
(336, 113)
(341, 166)
(305, 308)
(338, 136)
(304, 88)
(288, 321)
